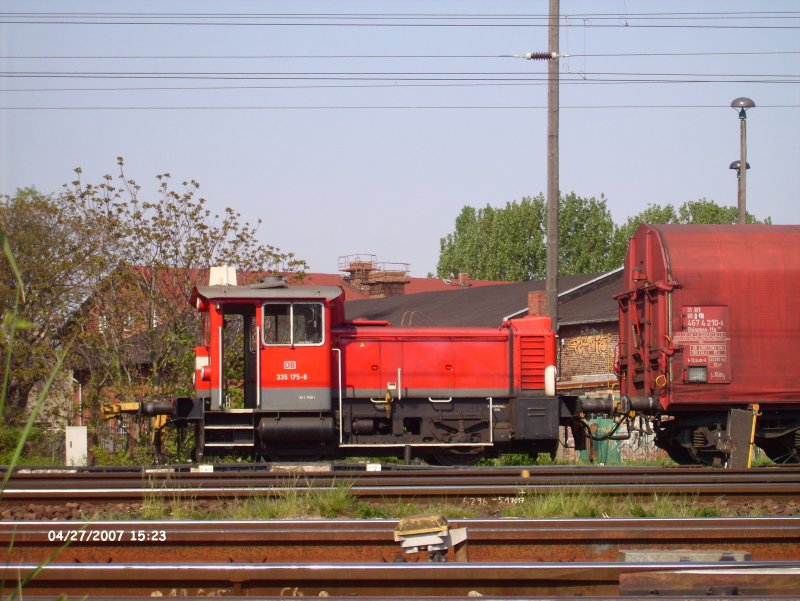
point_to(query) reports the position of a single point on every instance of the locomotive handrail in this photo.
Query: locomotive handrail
(338, 352)
(221, 386)
(258, 367)
(447, 400)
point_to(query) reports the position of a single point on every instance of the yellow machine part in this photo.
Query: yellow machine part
(111, 410)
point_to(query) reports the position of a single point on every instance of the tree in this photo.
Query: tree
(113, 271)
(586, 235)
(707, 211)
(509, 243)
(652, 214)
(137, 336)
(56, 252)
(496, 244)
(693, 211)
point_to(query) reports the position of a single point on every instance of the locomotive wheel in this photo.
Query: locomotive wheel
(549, 448)
(454, 457)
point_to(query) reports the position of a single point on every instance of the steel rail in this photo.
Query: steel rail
(398, 580)
(489, 540)
(58, 486)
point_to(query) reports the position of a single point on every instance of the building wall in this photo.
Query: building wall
(587, 350)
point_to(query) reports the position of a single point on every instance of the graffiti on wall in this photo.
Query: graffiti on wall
(589, 351)
(592, 345)
(595, 344)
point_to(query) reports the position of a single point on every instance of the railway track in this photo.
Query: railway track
(347, 558)
(489, 540)
(481, 484)
(615, 580)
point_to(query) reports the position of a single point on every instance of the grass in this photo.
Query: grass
(339, 502)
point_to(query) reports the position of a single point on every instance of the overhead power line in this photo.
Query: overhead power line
(408, 76)
(371, 56)
(323, 15)
(364, 107)
(426, 25)
(705, 20)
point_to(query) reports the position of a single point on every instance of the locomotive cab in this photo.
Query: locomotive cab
(263, 374)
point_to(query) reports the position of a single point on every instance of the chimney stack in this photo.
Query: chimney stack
(537, 303)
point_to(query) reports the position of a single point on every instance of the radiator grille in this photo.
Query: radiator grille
(532, 362)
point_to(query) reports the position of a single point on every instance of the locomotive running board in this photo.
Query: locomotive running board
(448, 445)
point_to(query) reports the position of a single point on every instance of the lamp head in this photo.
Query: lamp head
(742, 104)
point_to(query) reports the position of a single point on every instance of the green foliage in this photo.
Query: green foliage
(43, 284)
(586, 235)
(502, 244)
(139, 314)
(142, 455)
(33, 450)
(113, 270)
(17, 435)
(509, 243)
(693, 211)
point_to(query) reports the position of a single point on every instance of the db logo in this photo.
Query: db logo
(290, 365)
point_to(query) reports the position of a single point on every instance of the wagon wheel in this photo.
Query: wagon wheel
(678, 453)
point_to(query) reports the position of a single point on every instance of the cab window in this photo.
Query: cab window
(293, 324)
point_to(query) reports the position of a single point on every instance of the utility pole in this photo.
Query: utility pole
(551, 281)
(553, 192)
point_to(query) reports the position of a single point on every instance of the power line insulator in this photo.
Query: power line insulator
(538, 56)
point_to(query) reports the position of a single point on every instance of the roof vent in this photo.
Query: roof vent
(271, 281)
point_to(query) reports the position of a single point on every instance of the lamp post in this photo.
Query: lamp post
(737, 166)
(741, 104)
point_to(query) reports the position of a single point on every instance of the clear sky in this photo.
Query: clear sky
(365, 126)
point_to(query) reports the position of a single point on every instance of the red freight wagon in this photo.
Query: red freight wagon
(281, 373)
(709, 322)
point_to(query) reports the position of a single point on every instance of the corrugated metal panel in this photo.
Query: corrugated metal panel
(532, 362)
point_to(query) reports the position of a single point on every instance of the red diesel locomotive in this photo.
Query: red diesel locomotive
(315, 384)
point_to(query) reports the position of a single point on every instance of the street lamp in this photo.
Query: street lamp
(737, 166)
(742, 104)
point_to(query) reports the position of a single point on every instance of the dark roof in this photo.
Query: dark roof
(413, 285)
(591, 303)
(589, 299)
